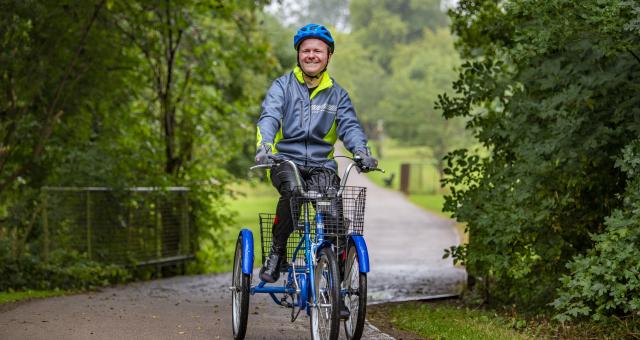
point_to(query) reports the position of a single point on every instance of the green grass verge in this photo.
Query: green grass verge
(6, 297)
(432, 203)
(442, 320)
(452, 319)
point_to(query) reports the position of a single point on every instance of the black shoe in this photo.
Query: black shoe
(284, 266)
(270, 272)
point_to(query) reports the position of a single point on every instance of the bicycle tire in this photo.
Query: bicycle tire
(241, 283)
(325, 314)
(355, 299)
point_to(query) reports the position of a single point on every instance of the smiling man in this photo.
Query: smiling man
(303, 114)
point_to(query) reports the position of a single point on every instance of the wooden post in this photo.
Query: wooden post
(404, 177)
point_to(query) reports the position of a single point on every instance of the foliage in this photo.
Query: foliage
(382, 25)
(127, 93)
(396, 60)
(295, 14)
(606, 280)
(550, 89)
(420, 71)
(65, 270)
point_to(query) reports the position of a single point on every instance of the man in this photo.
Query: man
(303, 114)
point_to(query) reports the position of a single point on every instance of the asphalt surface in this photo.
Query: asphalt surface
(405, 247)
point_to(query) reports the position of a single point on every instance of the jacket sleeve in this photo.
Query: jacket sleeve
(271, 115)
(349, 129)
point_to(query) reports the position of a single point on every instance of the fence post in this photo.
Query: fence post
(184, 225)
(158, 227)
(89, 231)
(404, 177)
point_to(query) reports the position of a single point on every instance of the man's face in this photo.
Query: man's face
(313, 55)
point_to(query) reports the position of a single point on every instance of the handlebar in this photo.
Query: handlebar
(356, 161)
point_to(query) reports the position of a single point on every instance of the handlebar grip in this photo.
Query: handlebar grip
(261, 166)
(362, 169)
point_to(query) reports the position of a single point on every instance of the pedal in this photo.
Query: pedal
(285, 303)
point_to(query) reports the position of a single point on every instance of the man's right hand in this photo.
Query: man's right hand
(262, 156)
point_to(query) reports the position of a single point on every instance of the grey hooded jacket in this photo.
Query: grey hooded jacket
(303, 127)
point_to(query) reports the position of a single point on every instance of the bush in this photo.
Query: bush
(65, 270)
(553, 98)
(606, 280)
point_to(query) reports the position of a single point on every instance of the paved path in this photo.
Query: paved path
(405, 246)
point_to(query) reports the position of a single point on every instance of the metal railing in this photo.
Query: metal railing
(134, 226)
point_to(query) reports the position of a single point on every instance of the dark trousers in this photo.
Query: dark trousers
(283, 179)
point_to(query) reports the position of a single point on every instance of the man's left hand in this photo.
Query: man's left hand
(368, 162)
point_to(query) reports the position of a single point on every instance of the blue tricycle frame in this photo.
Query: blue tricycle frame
(301, 280)
(248, 257)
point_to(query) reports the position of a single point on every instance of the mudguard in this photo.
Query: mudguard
(247, 251)
(363, 254)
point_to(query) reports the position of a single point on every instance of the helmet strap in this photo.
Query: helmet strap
(317, 76)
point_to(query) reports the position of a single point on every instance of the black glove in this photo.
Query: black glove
(262, 156)
(368, 162)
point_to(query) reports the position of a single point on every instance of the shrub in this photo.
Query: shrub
(65, 270)
(606, 280)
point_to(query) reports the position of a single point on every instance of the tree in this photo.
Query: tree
(121, 93)
(47, 73)
(295, 14)
(549, 89)
(419, 72)
(384, 24)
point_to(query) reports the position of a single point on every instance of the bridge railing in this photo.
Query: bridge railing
(134, 226)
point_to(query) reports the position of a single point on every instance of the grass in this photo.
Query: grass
(442, 320)
(452, 319)
(393, 156)
(431, 202)
(6, 297)
(251, 199)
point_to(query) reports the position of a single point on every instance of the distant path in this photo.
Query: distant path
(405, 246)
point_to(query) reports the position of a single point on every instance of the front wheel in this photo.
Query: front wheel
(239, 295)
(355, 298)
(325, 313)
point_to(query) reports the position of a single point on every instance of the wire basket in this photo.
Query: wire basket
(341, 216)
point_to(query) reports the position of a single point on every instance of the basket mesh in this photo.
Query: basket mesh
(341, 216)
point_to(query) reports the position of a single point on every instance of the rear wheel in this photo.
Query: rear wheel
(325, 314)
(239, 295)
(355, 299)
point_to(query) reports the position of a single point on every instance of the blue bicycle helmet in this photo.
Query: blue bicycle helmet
(313, 31)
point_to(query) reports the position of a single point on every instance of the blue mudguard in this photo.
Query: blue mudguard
(247, 251)
(363, 254)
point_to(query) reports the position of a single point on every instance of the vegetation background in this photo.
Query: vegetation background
(539, 151)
